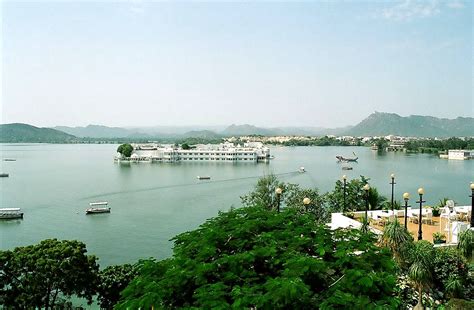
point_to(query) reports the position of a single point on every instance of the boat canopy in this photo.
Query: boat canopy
(99, 203)
(9, 209)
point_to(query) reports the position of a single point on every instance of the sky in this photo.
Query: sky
(271, 64)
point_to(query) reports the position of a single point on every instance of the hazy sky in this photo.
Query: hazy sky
(268, 64)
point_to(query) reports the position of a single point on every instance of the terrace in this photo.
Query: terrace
(449, 224)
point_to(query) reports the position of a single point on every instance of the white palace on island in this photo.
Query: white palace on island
(251, 152)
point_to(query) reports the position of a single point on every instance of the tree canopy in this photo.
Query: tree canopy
(254, 257)
(36, 275)
(125, 149)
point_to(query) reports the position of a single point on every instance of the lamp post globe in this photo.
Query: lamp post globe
(306, 202)
(472, 204)
(344, 184)
(366, 188)
(406, 197)
(392, 177)
(421, 192)
(278, 192)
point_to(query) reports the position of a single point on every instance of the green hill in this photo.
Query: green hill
(381, 124)
(18, 132)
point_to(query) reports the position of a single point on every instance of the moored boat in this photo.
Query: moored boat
(98, 210)
(4, 175)
(9, 159)
(346, 168)
(204, 177)
(10, 213)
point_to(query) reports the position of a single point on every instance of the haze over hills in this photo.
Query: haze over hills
(376, 124)
(18, 132)
(414, 125)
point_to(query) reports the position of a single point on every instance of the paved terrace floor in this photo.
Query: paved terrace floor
(427, 228)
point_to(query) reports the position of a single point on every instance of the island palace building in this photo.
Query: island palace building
(251, 152)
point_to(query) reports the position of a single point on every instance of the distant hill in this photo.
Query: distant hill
(378, 124)
(243, 130)
(98, 131)
(18, 132)
(203, 134)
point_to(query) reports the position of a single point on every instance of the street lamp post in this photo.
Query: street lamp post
(392, 176)
(344, 180)
(278, 192)
(421, 192)
(472, 205)
(306, 202)
(366, 189)
(406, 197)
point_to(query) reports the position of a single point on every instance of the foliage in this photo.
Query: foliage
(449, 266)
(294, 199)
(420, 271)
(459, 304)
(264, 193)
(466, 243)
(125, 149)
(438, 237)
(253, 258)
(34, 276)
(453, 143)
(185, 146)
(112, 280)
(397, 239)
(355, 196)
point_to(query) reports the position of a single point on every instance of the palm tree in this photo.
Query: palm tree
(396, 238)
(422, 256)
(466, 243)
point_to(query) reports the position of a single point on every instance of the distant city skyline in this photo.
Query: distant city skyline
(318, 64)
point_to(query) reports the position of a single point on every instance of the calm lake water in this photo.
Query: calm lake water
(151, 203)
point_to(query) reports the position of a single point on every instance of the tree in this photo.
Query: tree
(355, 196)
(125, 149)
(420, 271)
(294, 196)
(466, 243)
(34, 276)
(264, 193)
(255, 258)
(112, 280)
(397, 239)
(185, 146)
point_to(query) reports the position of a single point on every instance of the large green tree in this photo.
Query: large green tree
(125, 149)
(112, 280)
(256, 258)
(355, 196)
(35, 276)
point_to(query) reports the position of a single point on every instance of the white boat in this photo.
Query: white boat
(98, 210)
(302, 170)
(11, 213)
(204, 177)
(98, 203)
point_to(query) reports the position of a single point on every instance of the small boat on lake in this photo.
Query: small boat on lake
(301, 170)
(10, 213)
(9, 159)
(343, 159)
(346, 168)
(98, 207)
(4, 175)
(204, 177)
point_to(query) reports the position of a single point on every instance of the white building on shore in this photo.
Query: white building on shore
(224, 152)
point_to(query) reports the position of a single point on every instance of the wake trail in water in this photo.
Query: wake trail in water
(146, 189)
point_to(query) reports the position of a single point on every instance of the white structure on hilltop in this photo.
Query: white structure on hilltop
(224, 152)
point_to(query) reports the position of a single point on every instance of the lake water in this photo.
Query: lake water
(151, 203)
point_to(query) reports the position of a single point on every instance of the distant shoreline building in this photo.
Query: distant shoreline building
(459, 154)
(224, 152)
